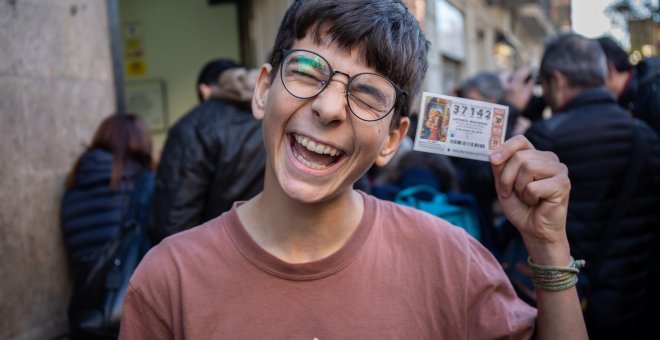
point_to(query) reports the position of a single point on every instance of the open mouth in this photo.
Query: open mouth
(313, 154)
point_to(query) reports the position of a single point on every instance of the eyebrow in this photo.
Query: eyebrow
(315, 62)
(368, 89)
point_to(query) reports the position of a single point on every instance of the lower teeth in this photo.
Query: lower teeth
(308, 163)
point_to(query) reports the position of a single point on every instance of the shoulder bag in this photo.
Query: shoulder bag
(97, 306)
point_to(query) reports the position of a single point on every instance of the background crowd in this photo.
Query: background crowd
(586, 103)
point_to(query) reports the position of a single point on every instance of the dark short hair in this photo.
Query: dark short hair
(577, 58)
(210, 73)
(488, 84)
(615, 54)
(384, 31)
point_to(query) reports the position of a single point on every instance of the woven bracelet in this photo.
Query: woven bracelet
(555, 278)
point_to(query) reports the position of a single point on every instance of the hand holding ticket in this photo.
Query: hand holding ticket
(460, 127)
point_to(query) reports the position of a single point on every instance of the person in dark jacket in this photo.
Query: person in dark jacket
(595, 138)
(637, 87)
(98, 188)
(213, 156)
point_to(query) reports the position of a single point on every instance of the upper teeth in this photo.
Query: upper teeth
(316, 147)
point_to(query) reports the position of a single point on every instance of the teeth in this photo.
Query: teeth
(310, 164)
(316, 147)
(311, 146)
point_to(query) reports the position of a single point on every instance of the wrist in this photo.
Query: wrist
(557, 253)
(555, 278)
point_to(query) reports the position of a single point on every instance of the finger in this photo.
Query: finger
(517, 163)
(510, 173)
(536, 166)
(501, 159)
(502, 154)
(554, 188)
(522, 74)
(505, 78)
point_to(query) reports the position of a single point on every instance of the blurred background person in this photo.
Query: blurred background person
(523, 94)
(97, 189)
(213, 156)
(637, 87)
(475, 177)
(613, 214)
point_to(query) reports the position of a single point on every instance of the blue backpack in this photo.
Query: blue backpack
(432, 201)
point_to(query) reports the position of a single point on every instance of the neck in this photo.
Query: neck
(298, 232)
(622, 80)
(564, 96)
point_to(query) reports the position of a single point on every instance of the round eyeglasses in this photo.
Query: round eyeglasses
(370, 96)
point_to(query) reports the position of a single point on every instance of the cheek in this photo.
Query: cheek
(372, 137)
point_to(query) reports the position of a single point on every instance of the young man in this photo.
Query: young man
(309, 257)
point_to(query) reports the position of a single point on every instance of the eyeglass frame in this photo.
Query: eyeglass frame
(397, 90)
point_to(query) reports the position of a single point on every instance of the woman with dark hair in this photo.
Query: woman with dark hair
(99, 186)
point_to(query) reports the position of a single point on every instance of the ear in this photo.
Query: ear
(394, 138)
(611, 69)
(559, 81)
(560, 90)
(261, 90)
(557, 84)
(204, 91)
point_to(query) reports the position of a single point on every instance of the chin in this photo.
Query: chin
(309, 194)
(303, 193)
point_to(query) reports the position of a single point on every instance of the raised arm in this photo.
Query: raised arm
(533, 190)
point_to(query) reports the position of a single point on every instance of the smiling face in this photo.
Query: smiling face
(316, 147)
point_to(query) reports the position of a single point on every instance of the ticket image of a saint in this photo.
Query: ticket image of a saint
(435, 120)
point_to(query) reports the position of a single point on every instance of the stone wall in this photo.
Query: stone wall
(55, 87)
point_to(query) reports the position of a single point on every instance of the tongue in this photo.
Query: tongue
(313, 156)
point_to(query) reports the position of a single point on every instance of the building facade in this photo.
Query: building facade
(56, 85)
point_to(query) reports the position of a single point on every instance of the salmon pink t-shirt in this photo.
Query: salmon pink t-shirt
(403, 274)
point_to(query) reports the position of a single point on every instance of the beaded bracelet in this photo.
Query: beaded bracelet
(555, 278)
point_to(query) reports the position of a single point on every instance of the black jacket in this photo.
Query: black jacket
(213, 156)
(593, 136)
(91, 211)
(642, 92)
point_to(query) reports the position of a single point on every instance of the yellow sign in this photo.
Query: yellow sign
(135, 68)
(134, 59)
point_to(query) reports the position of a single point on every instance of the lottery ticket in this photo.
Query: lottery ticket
(460, 127)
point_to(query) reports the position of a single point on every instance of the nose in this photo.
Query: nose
(330, 105)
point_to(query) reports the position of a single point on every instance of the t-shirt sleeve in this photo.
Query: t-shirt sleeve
(147, 310)
(139, 320)
(494, 311)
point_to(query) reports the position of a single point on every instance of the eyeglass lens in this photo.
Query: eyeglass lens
(370, 96)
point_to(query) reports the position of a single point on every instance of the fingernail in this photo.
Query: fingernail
(495, 156)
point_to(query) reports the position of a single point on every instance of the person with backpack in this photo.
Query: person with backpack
(96, 202)
(637, 87)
